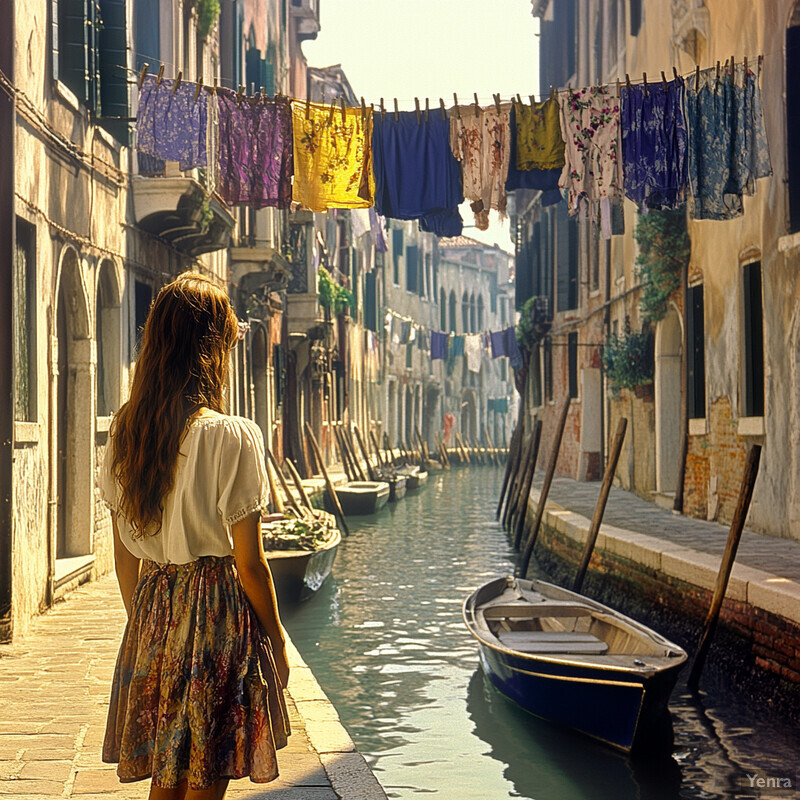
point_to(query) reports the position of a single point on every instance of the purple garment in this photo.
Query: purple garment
(378, 231)
(512, 348)
(173, 126)
(438, 345)
(498, 344)
(654, 156)
(256, 151)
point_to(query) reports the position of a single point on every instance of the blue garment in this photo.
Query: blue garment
(416, 174)
(172, 126)
(498, 341)
(512, 348)
(438, 345)
(654, 144)
(545, 180)
(728, 147)
(456, 347)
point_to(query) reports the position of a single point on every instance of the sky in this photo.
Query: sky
(432, 48)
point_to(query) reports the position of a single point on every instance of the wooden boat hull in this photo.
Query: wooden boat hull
(361, 497)
(397, 488)
(415, 477)
(299, 574)
(621, 703)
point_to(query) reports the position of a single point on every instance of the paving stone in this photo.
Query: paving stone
(351, 777)
(22, 788)
(46, 770)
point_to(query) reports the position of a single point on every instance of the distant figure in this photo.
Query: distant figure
(449, 424)
(197, 697)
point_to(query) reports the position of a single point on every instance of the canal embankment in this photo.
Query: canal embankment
(662, 567)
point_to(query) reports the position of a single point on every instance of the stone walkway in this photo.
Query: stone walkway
(780, 557)
(54, 688)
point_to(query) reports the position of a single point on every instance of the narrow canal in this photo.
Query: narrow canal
(385, 639)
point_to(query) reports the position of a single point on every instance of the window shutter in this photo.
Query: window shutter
(73, 47)
(562, 261)
(412, 268)
(54, 34)
(113, 59)
(370, 302)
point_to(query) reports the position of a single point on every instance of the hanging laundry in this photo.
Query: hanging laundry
(481, 140)
(256, 160)
(416, 174)
(512, 348)
(654, 144)
(332, 157)
(422, 340)
(543, 180)
(728, 147)
(378, 227)
(405, 332)
(456, 347)
(359, 222)
(472, 350)
(592, 173)
(485, 340)
(438, 345)
(498, 342)
(172, 125)
(538, 131)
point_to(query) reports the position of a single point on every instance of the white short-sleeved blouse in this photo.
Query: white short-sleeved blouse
(220, 478)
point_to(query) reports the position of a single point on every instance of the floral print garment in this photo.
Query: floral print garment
(332, 157)
(592, 174)
(172, 125)
(256, 158)
(195, 696)
(728, 147)
(538, 136)
(654, 144)
(482, 143)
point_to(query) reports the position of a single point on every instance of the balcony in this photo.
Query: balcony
(179, 210)
(306, 14)
(259, 272)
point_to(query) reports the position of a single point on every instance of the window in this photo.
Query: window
(370, 301)
(567, 234)
(412, 268)
(593, 246)
(793, 119)
(25, 408)
(536, 377)
(107, 338)
(696, 355)
(279, 372)
(442, 311)
(147, 31)
(480, 312)
(753, 344)
(142, 300)
(472, 315)
(397, 251)
(90, 55)
(635, 16)
(465, 313)
(452, 310)
(572, 363)
(427, 289)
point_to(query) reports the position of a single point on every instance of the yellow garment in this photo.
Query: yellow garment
(332, 157)
(539, 142)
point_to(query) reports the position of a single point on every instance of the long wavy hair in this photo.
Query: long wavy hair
(182, 366)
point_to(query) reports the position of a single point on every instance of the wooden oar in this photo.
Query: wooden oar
(277, 500)
(492, 451)
(387, 446)
(463, 448)
(377, 449)
(349, 439)
(509, 464)
(527, 482)
(365, 454)
(337, 506)
(289, 496)
(301, 490)
(351, 474)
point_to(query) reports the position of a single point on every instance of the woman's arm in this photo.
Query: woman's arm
(256, 580)
(126, 566)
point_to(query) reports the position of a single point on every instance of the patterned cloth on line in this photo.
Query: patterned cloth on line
(654, 144)
(256, 156)
(196, 696)
(728, 147)
(544, 180)
(539, 142)
(173, 125)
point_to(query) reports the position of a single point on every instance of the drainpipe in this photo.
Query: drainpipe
(7, 230)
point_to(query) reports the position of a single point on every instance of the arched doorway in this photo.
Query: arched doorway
(668, 351)
(74, 390)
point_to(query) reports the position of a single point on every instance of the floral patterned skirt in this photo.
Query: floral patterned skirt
(196, 696)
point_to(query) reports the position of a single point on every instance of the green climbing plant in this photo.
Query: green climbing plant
(664, 250)
(332, 296)
(627, 359)
(207, 15)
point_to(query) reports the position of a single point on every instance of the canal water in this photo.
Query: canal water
(386, 641)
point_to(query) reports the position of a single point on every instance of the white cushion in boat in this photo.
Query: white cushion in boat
(553, 642)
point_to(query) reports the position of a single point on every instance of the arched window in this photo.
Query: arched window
(442, 310)
(473, 323)
(465, 313)
(480, 312)
(452, 312)
(108, 329)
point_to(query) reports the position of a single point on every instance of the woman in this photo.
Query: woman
(197, 693)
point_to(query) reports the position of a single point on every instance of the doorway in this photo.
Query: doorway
(669, 349)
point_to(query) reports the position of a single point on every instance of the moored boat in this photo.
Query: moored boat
(415, 476)
(300, 554)
(572, 660)
(361, 497)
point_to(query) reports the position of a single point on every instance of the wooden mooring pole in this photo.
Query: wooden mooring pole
(337, 506)
(602, 499)
(507, 474)
(527, 482)
(525, 556)
(737, 525)
(512, 467)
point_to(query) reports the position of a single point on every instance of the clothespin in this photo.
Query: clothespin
(477, 105)
(239, 95)
(664, 80)
(216, 84)
(199, 87)
(744, 82)
(344, 115)
(396, 111)
(333, 109)
(497, 102)
(552, 93)
(675, 73)
(416, 104)
(308, 107)
(177, 82)
(363, 110)
(717, 71)
(458, 110)
(697, 78)
(519, 99)
(760, 62)
(427, 109)
(617, 87)
(142, 74)
(160, 75)
(733, 72)
(383, 110)
(644, 78)
(532, 98)
(441, 106)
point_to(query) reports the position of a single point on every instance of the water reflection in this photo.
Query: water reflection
(385, 639)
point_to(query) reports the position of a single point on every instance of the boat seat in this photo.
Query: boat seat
(528, 611)
(553, 642)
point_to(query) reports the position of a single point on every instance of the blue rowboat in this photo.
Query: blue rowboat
(573, 661)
